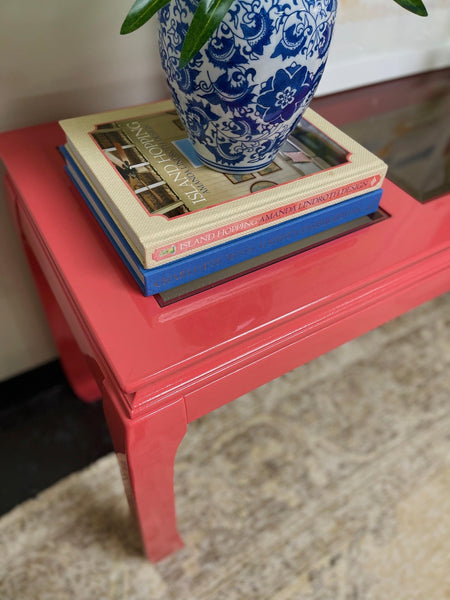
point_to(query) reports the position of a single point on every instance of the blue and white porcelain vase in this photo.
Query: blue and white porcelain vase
(241, 95)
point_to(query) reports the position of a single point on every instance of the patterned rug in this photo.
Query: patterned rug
(330, 483)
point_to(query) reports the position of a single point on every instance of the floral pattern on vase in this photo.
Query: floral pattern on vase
(241, 95)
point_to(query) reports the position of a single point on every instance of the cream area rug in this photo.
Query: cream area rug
(330, 483)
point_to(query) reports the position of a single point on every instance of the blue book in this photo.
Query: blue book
(183, 270)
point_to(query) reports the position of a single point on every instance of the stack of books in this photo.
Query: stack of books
(174, 221)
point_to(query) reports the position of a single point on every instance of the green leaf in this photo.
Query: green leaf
(207, 18)
(415, 6)
(140, 13)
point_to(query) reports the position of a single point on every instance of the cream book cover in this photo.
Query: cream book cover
(168, 205)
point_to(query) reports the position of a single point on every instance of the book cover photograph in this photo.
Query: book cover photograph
(168, 205)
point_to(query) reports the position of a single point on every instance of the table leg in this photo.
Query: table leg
(146, 449)
(72, 359)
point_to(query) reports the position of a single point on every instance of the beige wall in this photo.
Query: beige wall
(376, 40)
(60, 59)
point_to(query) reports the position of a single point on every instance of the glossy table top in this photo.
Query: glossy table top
(320, 297)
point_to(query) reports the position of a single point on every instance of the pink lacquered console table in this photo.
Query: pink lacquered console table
(157, 369)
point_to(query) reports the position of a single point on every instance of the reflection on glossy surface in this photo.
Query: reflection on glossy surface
(219, 324)
(406, 123)
(415, 142)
